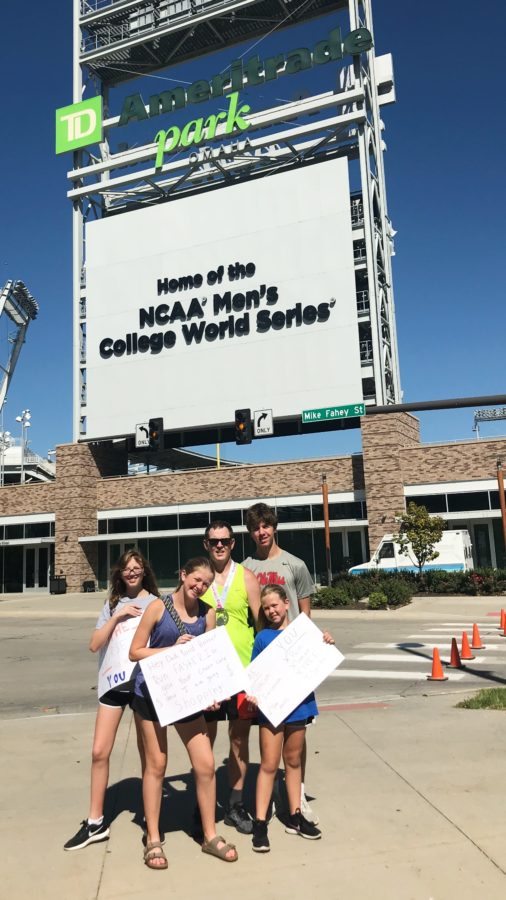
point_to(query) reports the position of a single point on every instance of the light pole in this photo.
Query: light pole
(24, 418)
(5, 442)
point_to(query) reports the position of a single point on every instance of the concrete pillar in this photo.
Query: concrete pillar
(79, 468)
(383, 436)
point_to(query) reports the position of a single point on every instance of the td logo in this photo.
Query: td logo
(79, 124)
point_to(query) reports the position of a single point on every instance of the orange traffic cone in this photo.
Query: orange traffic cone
(465, 653)
(501, 620)
(437, 668)
(477, 644)
(503, 623)
(455, 662)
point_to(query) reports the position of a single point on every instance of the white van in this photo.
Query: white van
(454, 548)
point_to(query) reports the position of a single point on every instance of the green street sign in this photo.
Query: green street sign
(331, 413)
(79, 124)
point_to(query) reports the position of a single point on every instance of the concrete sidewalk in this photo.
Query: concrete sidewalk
(411, 799)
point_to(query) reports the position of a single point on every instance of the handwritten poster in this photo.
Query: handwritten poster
(116, 668)
(187, 678)
(290, 668)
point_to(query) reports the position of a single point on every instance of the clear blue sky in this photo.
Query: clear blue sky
(446, 197)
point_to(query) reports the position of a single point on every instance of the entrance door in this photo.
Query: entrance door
(35, 568)
(117, 549)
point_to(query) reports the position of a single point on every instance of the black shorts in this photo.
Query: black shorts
(144, 708)
(227, 712)
(116, 698)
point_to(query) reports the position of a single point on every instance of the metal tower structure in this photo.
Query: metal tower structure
(117, 40)
(18, 308)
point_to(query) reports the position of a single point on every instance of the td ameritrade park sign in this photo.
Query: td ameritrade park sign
(81, 124)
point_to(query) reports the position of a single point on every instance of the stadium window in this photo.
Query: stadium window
(294, 513)
(123, 526)
(434, 503)
(471, 500)
(194, 520)
(162, 523)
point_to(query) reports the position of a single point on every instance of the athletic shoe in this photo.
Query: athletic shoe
(297, 824)
(307, 812)
(237, 816)
(87, 834)
(260, 839)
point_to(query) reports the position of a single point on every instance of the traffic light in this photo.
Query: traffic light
(242, 426)
(156, 434)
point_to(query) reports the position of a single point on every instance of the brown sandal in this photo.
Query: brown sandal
(154, 851)
(212, 848)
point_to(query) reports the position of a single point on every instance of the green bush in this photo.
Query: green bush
(399, 592)
(332, 598)
(378, 600)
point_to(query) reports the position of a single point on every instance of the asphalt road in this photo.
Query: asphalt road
(46, 667)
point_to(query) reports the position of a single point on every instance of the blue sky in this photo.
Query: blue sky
(446, 196)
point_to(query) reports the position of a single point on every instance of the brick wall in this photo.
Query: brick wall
(462, 461)
(383, 440)
(241, 483)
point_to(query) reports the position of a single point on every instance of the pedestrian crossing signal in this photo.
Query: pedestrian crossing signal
(242, 426)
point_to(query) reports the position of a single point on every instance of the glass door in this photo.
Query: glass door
(35, 568)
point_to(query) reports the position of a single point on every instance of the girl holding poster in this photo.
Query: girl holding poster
(133, 587)
(178, 618)
(287, 738)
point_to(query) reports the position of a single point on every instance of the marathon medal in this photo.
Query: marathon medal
(222, 615)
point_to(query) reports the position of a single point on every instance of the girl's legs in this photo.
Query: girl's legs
(106, 726)
(196, 740)
(293, 747)
(154, 738)
(271, 742)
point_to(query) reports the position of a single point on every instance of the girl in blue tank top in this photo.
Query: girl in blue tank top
(287, 738)
(162, 629)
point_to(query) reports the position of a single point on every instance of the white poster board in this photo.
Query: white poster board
(116, 668)
(189, 677)
(290, 668)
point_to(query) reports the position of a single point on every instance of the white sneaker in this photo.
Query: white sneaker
(307, 812)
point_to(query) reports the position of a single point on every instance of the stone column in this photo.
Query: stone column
(79, 468)
(383, 436)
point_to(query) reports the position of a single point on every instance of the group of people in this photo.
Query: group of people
(254, 601)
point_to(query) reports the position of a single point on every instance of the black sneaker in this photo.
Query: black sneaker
(87, 834)
(297, 824)
(260, 839)
(237, 816)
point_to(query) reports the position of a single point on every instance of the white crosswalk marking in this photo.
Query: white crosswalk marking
(409, 659)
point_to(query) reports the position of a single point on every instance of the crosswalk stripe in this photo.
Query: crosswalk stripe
(404, 657)
(372, 645)
(457, 634)
(385, 675)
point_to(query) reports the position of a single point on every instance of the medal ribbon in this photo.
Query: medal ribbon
(222, 599)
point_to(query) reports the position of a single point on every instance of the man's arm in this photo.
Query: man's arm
(253, 591)
(305, 605)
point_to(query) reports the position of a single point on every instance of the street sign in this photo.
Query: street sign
(142, 436)
(263, 423)
(331, 413)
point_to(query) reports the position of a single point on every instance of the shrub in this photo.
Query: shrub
(332, 597)
(378, 600)
(399, 593)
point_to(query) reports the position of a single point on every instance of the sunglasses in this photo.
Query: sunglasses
(225, 542)
(127, 572)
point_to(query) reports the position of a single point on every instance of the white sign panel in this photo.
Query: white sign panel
(263, 423)
(252, 285)
(116, 668)
(290, 668)
(142, 435)
(187, 678)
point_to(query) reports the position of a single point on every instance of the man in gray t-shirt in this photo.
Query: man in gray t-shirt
(288, 571)
(272, 565)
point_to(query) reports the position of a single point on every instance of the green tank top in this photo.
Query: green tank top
(240, 632)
